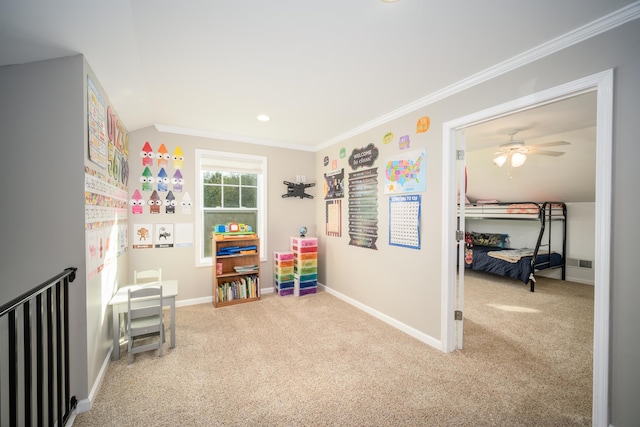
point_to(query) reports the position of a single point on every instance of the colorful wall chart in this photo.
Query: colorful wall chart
(363, 208)
(404, 221)
(406, 173)
(333, 218)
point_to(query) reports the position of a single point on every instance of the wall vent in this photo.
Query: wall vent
(583, 263)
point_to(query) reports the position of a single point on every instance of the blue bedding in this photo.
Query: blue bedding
(520, 270)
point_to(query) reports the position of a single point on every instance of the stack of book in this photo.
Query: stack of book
(236, 250)
(245, 268)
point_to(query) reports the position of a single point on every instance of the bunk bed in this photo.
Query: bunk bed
(490, 252)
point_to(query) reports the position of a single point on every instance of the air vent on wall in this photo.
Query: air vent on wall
(583, 263)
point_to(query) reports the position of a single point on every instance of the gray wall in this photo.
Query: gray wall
(44, 136)
(284, 215)
(42, 122)
(405, 284)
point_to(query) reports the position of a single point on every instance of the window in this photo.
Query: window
(231, 188)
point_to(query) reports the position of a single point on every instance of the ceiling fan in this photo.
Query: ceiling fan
(516, 151)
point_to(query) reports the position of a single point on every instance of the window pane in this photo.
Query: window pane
(211, 219)
(231, 178)
(249, 179)
(211, 177)
(231, 197)
(212, 196)
(249, 197)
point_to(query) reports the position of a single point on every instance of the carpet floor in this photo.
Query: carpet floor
(318, 361)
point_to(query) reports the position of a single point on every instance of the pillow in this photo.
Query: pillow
(487, 239)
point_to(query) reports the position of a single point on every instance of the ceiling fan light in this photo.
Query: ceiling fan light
(499, 161)
(518, 159)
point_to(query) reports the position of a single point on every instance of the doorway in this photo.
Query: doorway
(602, 83)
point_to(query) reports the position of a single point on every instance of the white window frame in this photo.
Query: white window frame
(235, 162)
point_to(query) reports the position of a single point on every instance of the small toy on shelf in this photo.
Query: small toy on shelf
(232, 230)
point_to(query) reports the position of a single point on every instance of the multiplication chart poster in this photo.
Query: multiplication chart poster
(404, 221)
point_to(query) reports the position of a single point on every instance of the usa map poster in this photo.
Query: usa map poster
(406, 173)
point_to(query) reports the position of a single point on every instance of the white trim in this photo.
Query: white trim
(201, 153)
(194, 301)
(427, 339)
(603, 84)
(84, 405)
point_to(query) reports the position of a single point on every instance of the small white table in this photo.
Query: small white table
(120, 306)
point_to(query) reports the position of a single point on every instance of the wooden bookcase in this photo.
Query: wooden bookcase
(230, 286)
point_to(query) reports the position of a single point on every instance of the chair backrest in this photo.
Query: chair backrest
(147, 276)
(144, 302)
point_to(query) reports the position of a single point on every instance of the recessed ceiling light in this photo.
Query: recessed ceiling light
(389, 1)
(263, 117)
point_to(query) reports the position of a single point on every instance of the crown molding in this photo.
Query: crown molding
(580, 34)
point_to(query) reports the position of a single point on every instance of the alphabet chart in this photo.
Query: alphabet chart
(404, 221)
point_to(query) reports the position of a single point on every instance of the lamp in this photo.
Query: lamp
(516, 159)
(500, 160)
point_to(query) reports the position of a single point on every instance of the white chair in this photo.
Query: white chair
(147, 276)
(145, 319)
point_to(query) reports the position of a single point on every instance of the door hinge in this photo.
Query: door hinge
(459, 235)
(457, 315)
(459, 154)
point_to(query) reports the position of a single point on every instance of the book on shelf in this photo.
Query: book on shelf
(245, 287)
(245, 268)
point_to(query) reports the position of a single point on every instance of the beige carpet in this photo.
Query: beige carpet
(317, 361)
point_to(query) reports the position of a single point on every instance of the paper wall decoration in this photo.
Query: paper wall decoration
(142, 238)
(162, 156)
(164, 236)
(363, 208)
(170, 203)
(404, 221)
(147, 179)
(163, 180)
(147, 154)
(423, 124)
(363, 157)
(136, 203)
(154, 203)
(404, 142)
(178, 158)
(387, 138)
(406, 173)
(177, 181)
(186, 203)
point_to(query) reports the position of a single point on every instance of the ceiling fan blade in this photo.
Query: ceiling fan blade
(546, 152)
(551, 144)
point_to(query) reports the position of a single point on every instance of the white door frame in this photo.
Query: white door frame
(603, 84)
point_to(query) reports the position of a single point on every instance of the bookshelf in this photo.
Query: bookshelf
(236, 269)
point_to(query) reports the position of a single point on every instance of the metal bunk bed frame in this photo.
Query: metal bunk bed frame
(546, 215)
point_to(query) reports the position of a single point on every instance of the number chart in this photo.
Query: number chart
(404, 221)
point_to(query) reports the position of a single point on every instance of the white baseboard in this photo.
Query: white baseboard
(208, 300)
(579, 280)
(427, 339)
(193, 301)
(84, 405)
